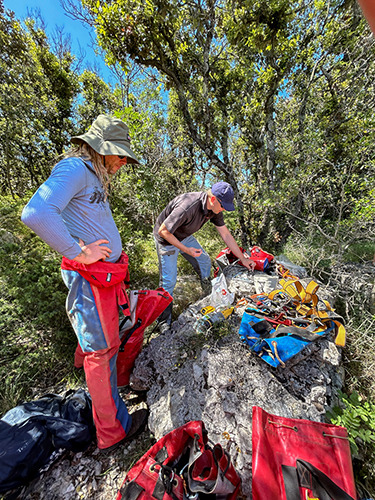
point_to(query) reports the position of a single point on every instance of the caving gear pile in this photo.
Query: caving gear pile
(278, 325)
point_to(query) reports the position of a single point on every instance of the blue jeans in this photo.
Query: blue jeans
(167, 256)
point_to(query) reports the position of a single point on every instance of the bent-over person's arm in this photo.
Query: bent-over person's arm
(233, 246)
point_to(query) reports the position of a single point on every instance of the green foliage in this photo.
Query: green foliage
(359, 252)
(259, 94)
(271, 98)
(142, 192)
(314, 253)
(53, 100)
(357, 415)
(96, 98)
(308, 251)
(44, 87)
(36, 334)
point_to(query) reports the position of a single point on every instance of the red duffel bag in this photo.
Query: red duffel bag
(263, 260)
(182, 465)
(295, 459)
(145, 307)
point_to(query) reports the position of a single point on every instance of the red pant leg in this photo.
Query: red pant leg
(93, 313)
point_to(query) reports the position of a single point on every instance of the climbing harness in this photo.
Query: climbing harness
(278, 325)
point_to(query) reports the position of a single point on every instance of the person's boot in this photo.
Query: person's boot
(139, 421)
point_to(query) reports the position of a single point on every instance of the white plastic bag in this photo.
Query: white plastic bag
(220, 295)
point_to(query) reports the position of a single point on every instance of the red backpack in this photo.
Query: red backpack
(263, 260)
(182, 465)
(145, 307)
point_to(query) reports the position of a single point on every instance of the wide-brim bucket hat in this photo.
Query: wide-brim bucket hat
(108, 136)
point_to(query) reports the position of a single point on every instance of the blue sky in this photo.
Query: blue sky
(54, 15)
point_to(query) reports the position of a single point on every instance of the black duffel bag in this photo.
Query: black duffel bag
(32, 431)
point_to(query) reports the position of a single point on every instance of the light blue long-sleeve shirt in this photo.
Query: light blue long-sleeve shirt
(70, 205)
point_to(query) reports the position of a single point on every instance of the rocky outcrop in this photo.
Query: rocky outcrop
(213, 377)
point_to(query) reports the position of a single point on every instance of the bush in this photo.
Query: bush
(37, 338)
(357, 415)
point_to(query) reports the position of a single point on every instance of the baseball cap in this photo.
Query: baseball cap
(224, 193)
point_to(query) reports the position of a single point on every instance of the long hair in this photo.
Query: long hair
(86, 152)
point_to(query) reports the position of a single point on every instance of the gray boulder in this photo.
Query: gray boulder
(213, 377)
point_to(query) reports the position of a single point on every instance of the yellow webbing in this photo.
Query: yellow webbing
(341, 334)
(297, 292)
(306, 300)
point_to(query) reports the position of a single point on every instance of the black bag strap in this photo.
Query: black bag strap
(131, 491)
(165, 482)
(306, 475)
(129, 334)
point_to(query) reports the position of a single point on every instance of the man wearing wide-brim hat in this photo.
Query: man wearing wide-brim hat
(71, 213)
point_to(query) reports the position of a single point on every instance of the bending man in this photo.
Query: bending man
(174, 229)
(71, 213)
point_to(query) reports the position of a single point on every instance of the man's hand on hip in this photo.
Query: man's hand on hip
(93, 252)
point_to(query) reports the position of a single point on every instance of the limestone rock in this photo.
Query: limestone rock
(216, 379)
(213, 377)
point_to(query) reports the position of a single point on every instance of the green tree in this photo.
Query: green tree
(36, 96)
(325, 124)
(143, 191)
(44, 100)
(96, 97)
(179, 40)
(244, 77)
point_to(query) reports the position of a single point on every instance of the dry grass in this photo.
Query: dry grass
(359, 355)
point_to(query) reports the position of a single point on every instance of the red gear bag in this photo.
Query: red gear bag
(145, 307)
(261, 258)
(181, 465)
(295, 459)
